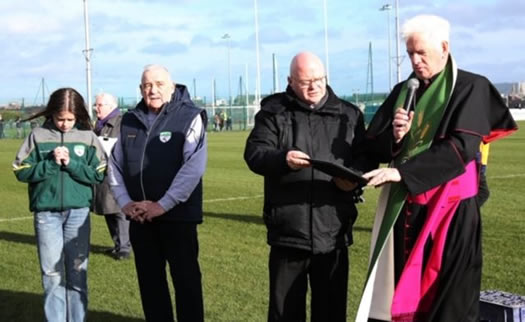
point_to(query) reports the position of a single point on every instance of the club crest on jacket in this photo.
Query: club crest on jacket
(164, 136)
(79, 150)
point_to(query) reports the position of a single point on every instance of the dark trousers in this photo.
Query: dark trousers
(156, 244)
(118, 227)
(290, 270)
(483, 192)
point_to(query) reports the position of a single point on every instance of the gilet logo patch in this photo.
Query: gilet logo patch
(164, 136)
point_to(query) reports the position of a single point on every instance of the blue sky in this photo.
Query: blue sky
(45, 39)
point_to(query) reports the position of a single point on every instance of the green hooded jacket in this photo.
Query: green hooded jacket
(53, 187)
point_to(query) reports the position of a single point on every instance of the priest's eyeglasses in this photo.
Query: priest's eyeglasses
(305, 83)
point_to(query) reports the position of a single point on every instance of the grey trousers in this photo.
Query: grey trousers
(118, 227)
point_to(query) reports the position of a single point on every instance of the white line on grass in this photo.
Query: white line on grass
(507, 176)
(16, 219)
(234, 198)
(210, 200)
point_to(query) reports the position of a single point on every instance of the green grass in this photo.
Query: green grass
(233, 250)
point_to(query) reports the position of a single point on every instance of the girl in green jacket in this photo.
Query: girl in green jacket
(61, 161)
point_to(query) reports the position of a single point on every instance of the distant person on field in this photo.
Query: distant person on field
(216, 122)
(157, 164)
(308, 214)
(61, 161)
(222, 120)
(1, 127)
(229, 123)
(484, 192)
(19, 128)
(426, 254)
(107, 128)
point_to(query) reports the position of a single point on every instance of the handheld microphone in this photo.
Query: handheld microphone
(413, 85)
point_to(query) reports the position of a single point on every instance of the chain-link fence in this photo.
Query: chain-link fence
(220, 118)
(16, 129)
(235, 118)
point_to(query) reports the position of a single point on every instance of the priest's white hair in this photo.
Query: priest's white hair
(434, 28)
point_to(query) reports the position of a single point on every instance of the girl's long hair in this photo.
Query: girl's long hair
(66, 99)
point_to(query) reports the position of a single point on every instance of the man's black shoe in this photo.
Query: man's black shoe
(110, 251)
(121, 255)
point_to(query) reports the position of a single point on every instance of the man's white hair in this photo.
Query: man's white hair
(434, 28)
(110, 99)
(157, 67)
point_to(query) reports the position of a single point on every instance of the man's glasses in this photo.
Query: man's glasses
(305, 83)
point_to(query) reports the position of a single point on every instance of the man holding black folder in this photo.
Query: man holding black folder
(308, 213)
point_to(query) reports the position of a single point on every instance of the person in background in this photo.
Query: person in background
(484, 191)
(308, 214)
(61, 161)
(107, 128)
(216, 122)
(426, 254)
(157, 167)
(229, 123)
(1, 127)
(222, 120)
(19, 128)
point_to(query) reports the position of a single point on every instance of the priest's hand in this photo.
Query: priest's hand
(378, 177)
(402, 123)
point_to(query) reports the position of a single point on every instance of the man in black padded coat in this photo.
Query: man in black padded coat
(308, 214)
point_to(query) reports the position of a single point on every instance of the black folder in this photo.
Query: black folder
(337, 170)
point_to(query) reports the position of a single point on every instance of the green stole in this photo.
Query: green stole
(427, 117)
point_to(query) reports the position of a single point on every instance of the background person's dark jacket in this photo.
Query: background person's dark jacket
(103, 201)
(304, 209)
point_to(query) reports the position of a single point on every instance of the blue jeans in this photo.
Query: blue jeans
(63, 248)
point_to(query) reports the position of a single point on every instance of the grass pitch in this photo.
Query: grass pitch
(233, 250)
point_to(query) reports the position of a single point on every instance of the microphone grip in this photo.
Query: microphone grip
(410, 100)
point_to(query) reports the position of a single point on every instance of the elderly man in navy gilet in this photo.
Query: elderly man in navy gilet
(156, 171)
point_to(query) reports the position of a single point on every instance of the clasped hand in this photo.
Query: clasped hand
(142, 211)
(61, 155)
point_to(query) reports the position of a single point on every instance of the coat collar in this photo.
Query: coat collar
(278, 103)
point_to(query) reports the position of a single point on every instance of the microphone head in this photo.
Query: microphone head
(413, 83)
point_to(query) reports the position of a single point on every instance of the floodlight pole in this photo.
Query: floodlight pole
(87, 54)
(398, 54)
(387, 8)
(258, 62)
(327, 61)
(228, 38)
